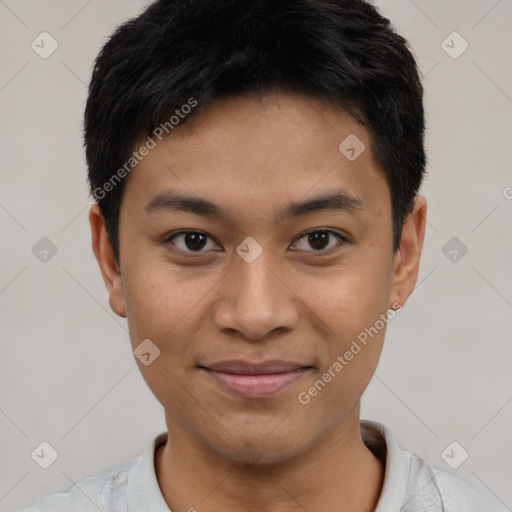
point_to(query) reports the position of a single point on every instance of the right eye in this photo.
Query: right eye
(189, 241)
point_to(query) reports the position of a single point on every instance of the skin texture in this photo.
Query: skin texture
(253, 156)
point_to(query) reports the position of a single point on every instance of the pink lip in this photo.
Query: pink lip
(255, 380)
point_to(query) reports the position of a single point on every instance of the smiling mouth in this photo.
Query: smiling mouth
(255, 380)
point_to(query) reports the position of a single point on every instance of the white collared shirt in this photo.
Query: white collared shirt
(410, 484)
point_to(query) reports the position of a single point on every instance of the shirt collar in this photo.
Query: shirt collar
(143, 490)
(398, 462)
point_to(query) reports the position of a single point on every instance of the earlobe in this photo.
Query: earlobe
(106, 261)
(407, 257)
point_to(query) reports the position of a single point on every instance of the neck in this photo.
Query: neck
(337, 473)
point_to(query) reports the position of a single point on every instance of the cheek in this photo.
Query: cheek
(163, 303)
(348, 298)
(154, 302)
(350, 302)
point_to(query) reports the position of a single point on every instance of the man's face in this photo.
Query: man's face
(324, 274)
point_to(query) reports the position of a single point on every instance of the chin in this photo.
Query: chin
(260, 446)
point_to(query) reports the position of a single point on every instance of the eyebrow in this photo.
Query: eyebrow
(171, 201)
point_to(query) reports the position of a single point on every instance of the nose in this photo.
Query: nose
(256, 299)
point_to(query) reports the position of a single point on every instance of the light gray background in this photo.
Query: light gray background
(68, 376)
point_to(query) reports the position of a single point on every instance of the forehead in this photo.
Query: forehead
(253, 150)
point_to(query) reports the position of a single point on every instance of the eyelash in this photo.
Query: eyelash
(341, 238)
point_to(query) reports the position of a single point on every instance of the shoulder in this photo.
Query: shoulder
(89, 494)
(432, 489)
(412, 485)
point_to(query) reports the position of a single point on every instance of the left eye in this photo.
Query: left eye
(319, 240)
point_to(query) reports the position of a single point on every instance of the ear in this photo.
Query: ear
(407, 257)
(105, 258)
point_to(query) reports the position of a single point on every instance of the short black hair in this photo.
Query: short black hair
(188, 53)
